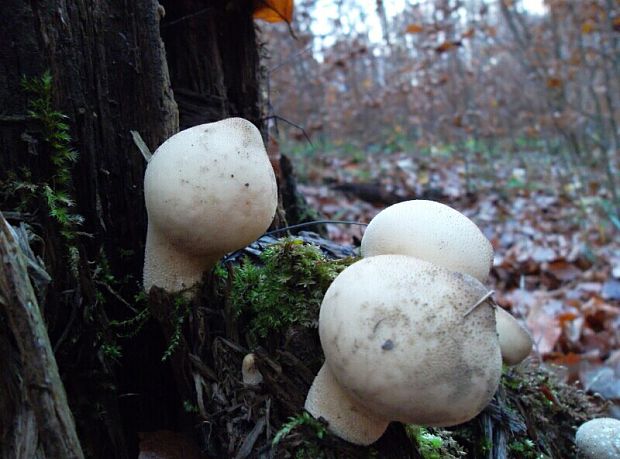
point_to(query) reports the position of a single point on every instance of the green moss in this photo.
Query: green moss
(287, 289)
(313, 430)
(525, 449)
(433, 443)
(177, 316)
(55, 191)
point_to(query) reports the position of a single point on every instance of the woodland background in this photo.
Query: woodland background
(507, 112)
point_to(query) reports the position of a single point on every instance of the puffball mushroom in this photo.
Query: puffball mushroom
(209, 190)
(514, 340)
(404, 340)
(250, 373)
(430, 231)
(599, 439)
(442, 235)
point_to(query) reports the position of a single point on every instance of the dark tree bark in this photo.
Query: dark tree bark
(42, 414)
(110, 76)
(213, 59)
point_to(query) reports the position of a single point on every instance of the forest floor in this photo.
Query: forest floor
(557, 251)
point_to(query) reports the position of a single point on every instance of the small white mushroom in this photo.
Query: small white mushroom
(403, 343)
(430, 231)
(514, 340)
(209, 190)
(599, 439)
(250, 373)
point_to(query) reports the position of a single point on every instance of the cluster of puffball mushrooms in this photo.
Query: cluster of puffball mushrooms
(409, 333)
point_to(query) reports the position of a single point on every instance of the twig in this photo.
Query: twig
(186, 17)
(488, 295)
(13, 118)
(278, 117)
(137, 140)
(299, 225)
(290, 59)
(312, 223)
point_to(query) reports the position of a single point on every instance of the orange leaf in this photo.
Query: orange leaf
(554, 83)
(616, 24)
(469, 33)
(567, 317)
(414, 28)
(274, 10)
(447, 46)
(567, 359)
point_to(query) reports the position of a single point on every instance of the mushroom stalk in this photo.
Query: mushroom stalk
(347, 418)
(169, 267)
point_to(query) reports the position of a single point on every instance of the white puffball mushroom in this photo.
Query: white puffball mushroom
(599, 439)
(250, 373)
(515, 341)
(430, 231)
(209, 190)
(405, 340)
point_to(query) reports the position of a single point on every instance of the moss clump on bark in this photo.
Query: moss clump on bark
(285, 289)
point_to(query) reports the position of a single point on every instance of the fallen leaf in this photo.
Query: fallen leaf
(563, 271)
(543, 323)
(554, 83)
(447, 46)
(273, 10)
(414, 28)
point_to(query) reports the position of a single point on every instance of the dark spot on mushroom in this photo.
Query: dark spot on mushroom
(232, 175)
(388, 345)
(247, 184)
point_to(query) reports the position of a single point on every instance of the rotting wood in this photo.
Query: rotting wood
(45, 393)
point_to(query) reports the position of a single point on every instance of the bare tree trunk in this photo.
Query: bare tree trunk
(213, 59)
(42, 414)
(109, 76)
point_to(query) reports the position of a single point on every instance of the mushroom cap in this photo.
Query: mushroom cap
(401, 337)
(211, 188)
(250, 373)
(599, 439)
(515, 341)
(430, 231)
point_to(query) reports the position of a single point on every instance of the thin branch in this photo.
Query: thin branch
(186, 17)
(139, 142)
(486, 296)
(278, 117)
(316, 222)
(290, 59)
